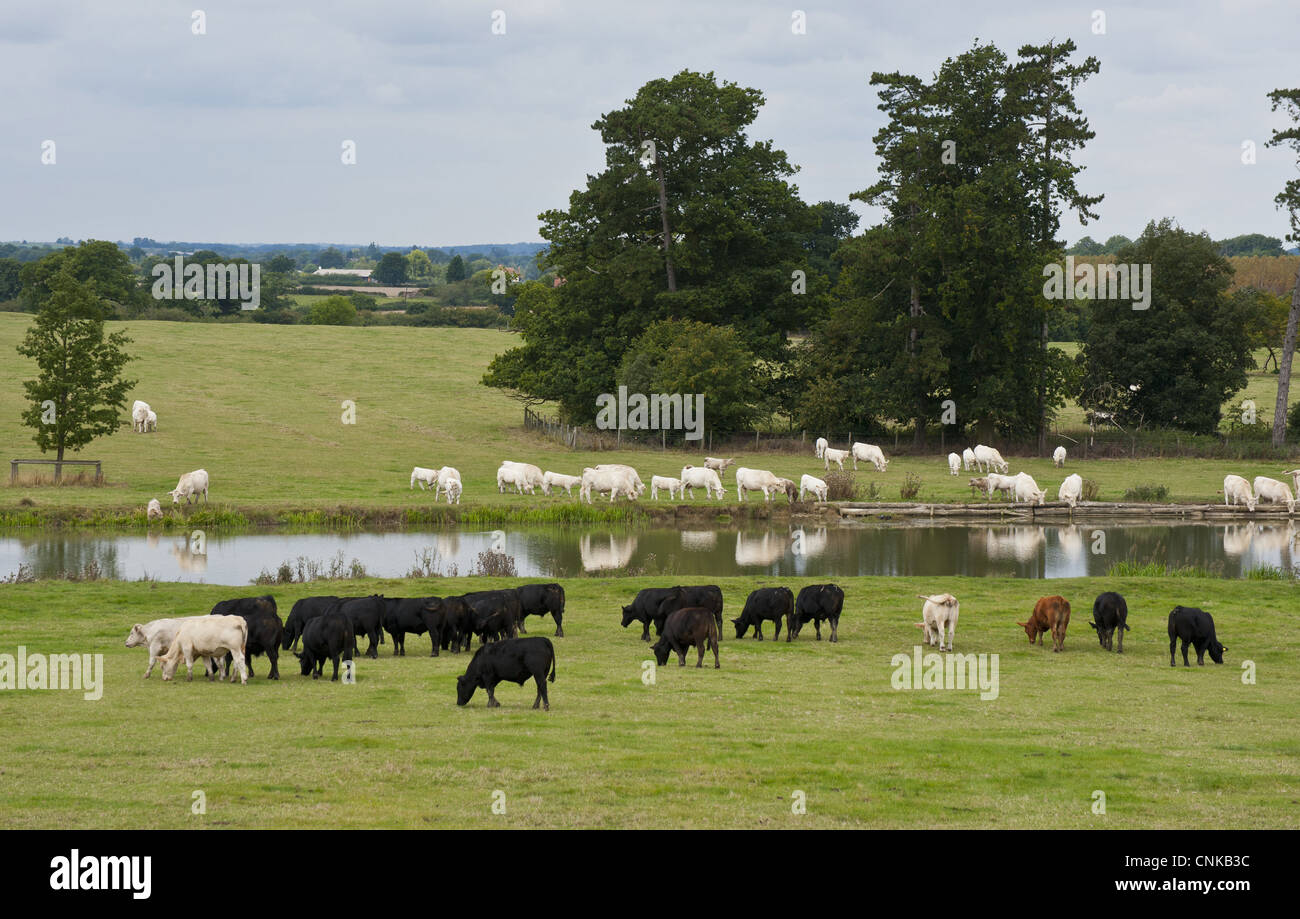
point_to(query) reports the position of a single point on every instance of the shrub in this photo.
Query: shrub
(1091, 491)
(333, 311)
(911, 487)
(1147, 493)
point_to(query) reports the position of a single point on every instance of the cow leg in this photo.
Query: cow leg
(1200, 655)
(1173, 642)
(492, 698)
(397, 642)
(540, 678)
(1120, 629)
(776, 634)
(700, 646)
(522, 630)
(1185, 663)
(559, 628)
(152, 660)
(645, 630)
(273, 655)
(758, 630)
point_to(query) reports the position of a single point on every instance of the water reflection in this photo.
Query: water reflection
(1019, 550)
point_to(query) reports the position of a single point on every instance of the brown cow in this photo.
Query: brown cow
(1051, 614)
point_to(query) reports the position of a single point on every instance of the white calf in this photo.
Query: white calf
(968, 459)
(1071, 489)
(820, 447)
(718, 465)
(448, 480)
(995, 482)
(700, 477)
(154, 510)
(1058, 457)
(151, 421)
(559, 480)
(1236, 490)
(1271, 491)
(837, 457)
(425, 477)
(157, 636)
(940, 611)
(809, 483)
(657, 482)
(139, 415)
(954, 463)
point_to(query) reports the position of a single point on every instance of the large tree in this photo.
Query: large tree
(1289, 199)
(690, 219)
(106, 268)
(79, 393)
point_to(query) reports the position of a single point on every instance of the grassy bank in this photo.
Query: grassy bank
(262, 409)
(1169, 747)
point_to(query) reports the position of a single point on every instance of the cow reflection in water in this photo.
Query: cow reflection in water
(766, 549)
(1021, 544)
(1237, 538)
(1071, 541)
(187, 560)
(699, 540)
(605, 552)
(808, 543)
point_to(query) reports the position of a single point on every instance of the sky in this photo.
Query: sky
(464, 135)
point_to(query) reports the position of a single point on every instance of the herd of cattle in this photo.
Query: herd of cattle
(684, 617)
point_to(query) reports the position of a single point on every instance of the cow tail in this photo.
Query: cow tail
(551, 678)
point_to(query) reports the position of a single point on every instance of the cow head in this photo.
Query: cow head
(306, 662)
(884, 464)
(628, 617)
(1031, 629)
(661, 649)
(169, 665)
(464, 689)
(1104, 635)
(290, 633)
(741, 627)
(176, 495)
(137, 636)
(1216, 650)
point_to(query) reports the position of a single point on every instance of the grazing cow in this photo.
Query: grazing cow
(988, 459)
(1051, 614)
(513, 660)
(410, 615)
(614, 481)
(831, 455)
(700, 477)
(692, 625)
(151, 421)
(540, 599)
(192, 484)
(758, 480)
(559, 480)
(1071, 489)
(327, 637)
(1110, 612)
(819, 448)
(810, 483)
(449, 482)
(870, 453)
(1058, 457)
(705, 596)
(968, 459)
(1000, 483)
(774, 603)
(939, 613)
(1272, 491)
(139, 415)
(815, 603)
(265, 630)
(644, 608)
(659, 481)
(631, 473)
(425, 477)
(496, 613)
(154, 510)
(455, 619)
(156, 635)
(1194, 626)
(954, 463)
(1236, 490)
(525, 477)
(1295, 478)
(979, 484)
(718, 465)
(305, 610)
(1027, 490)
(207, 636)
(366, 615)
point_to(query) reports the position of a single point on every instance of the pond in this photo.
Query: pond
(876, 548)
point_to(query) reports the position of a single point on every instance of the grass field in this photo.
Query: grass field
(261, 407)
(1169, 747)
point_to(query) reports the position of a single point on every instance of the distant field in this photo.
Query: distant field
(260, 408)
(701, 748)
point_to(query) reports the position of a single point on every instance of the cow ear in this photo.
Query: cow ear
(1023, 625)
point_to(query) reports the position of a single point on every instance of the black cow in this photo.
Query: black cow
(366, 614)
(326, 637)
(693, 625)
(1110, 612)
(1193, 626)
(457, 623)
(515, 660)
(540, 599)
(403, 615)
(305, 610)
(775, 603)
(645, 608)
(816, 602)
(265, 630)
(705, 596)
(495, 614)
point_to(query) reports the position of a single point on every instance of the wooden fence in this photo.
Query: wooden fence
(58, 468)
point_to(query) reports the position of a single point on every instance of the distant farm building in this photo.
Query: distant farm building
(363, 273)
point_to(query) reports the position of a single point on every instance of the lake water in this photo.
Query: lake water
(1029, 551)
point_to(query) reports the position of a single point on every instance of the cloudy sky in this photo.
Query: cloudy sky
(463, 136)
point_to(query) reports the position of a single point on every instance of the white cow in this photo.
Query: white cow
(1071, 489)
(139, 415)
(559, 480)
(1271, 491)
(820, 447)
(1236, 490)
(718, 465)
(631, 473)
(809, 483)
(700, 477)
(525, 477)
(614, 481)
(761, 480)
(831, 455)
(157, 636)
(192, 484)
(1295, 477)
(954, 463)
(211, 637)
(968, 459)
(869, 453)
(151, 421)
(987, 459)
(425, 477)
(448, 480)
(995, 482)
(940, 611)
(1058, 457)
(154, 510)
(1027, 490)
(659, 481)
